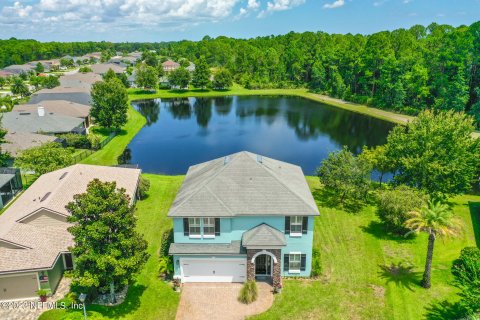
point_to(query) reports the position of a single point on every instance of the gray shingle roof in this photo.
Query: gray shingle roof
(263, 235)
(79, 95)
(244, 184)
(18, 141)
(207, 248)
(42, 244)
(33, 123)
(61, 107)
(102, 68)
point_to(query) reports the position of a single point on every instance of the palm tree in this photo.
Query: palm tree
(435, 218)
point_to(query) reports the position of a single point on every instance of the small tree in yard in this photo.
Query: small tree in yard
(109, 103)
(466, 270)
(436, 219)
(146, 77)
(378, 159)
(39, 68)
(179, 78)
(394, 206)
(345, 175)
(222, 80)
(201, 75)
(18, 87)
(45, 158)
(108, 250)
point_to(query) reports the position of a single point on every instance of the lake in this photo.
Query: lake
(187, 131)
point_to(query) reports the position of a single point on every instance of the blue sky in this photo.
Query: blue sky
(165, 20)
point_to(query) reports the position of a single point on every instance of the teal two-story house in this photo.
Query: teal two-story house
(243, 217)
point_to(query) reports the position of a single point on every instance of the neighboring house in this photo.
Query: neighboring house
(243, 217)
(131, 80)
(34, 239)
(169, 66)
(10, 185)
(18, 69)
(136, 54)
(102, 68)
(80, 80)
(6, 74)
(79, 95)
(19, 141)
(164, 82)
(59, 107)
(42, 122)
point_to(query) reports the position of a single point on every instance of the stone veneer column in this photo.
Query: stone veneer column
(277, 267)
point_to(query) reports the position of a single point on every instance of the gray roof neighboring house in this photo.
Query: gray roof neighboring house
(102, 68)
(244, 184)
(234, 248)
(34, 123)
(26, 246)
(19, 141)
(263, 236)
(77, 95)
(60, 107)
(80, 80)
(19, 68)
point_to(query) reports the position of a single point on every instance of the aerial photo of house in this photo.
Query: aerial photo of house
(232, 160)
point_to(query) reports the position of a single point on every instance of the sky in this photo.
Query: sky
(171, 20)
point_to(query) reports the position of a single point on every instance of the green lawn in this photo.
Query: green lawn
(357, 255)
(109, 154)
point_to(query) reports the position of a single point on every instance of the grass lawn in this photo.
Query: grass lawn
(367, 274)
(109, 154)
(150, 297)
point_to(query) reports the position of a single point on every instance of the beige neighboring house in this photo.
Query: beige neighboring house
(19, 141)
(62, 107)
(34, 240)
(102, 68)
(169, 66)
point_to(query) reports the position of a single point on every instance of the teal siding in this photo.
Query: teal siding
(231, 229)
(55, 274)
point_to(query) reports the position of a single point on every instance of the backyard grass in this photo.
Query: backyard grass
(366, 273)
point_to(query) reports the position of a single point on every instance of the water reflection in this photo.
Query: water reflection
(288, 128)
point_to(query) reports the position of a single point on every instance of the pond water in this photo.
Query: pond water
(183, 132)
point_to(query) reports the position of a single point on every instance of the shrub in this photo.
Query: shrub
(85, 69)
(143, 187)
(466, 271)
(167, 239)
(248, 293)
(165, 267)
(42, 292)
(395, 204)
(68, 300)
(78, 141)
(94, 141)
(316, 266)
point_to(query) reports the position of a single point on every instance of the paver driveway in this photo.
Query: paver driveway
(211, 301)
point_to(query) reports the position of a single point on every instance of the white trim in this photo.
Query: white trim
(209, 236)
(264, 252)
(294, 271)
(296, 235)
(195, 236)
(294, 252)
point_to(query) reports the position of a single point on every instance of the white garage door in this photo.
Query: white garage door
(18, 287)
(213, 270)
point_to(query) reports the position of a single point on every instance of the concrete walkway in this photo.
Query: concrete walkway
(32, 309)
(212, 301)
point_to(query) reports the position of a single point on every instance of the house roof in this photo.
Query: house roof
(80, 80)
(170, 63)
(61, 107)
(234, 247)
(5, 177)
(243, 184)
(102, 68)
(18, 141)
(263, 235)
(42, 245)
(33, 123)
(79, 95)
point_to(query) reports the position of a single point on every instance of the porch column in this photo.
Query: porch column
(250, 265)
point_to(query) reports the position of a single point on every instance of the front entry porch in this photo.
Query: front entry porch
(264, 265)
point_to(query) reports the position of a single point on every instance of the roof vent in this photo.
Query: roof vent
(63, 175)
(45, 196)
(259, 158)
(41, 111)
(226, 160)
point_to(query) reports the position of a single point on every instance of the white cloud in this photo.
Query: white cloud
(253, 4)
(281, 5)
(335, 4)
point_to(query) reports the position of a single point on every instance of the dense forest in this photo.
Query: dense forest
(407, 70)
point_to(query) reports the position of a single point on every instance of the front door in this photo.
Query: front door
(263, 265)
(68, 261)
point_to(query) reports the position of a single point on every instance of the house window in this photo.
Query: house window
(194, 227)
(295, 261)
(296, 226)
(209, 227)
